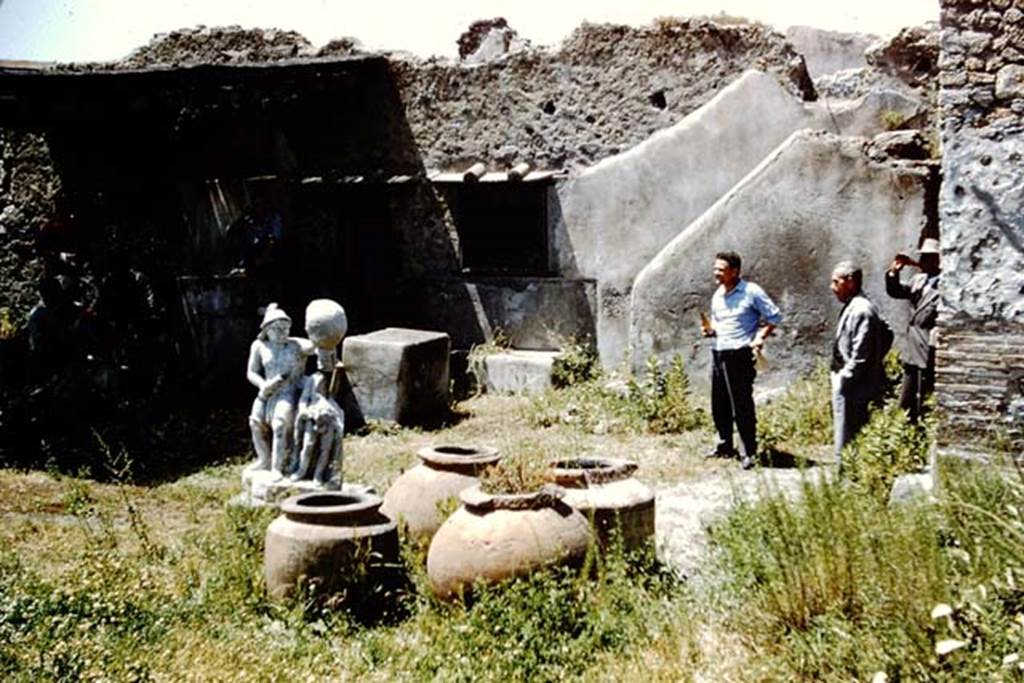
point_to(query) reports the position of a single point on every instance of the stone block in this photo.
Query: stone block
(516, 372)
(396, 375)
(1010, 82)
(918, 487)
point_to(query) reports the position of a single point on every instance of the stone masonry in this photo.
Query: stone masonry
(980, 363)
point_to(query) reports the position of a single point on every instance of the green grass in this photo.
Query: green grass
(109, 580)
(836, 585)
(799, 418)
(659, 402)
(833, 585)
(129, 612)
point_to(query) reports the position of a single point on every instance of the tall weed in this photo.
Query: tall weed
(888, 446)
(798, 418)
(804, 578)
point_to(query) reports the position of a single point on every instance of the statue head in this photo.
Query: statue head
(326, 325)
(275, 322)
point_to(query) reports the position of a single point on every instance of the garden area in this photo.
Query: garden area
(108, 576)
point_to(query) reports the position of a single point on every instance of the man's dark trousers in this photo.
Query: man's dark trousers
(918, 384)
(732, 398)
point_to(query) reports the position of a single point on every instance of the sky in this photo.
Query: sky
(88, 30)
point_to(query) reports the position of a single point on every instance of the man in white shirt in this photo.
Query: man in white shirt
(742, 316)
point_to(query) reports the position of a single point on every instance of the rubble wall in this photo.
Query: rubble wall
(29, 186)
(605, 89)
(980, 382)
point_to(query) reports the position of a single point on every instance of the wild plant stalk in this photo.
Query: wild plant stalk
(834, 561)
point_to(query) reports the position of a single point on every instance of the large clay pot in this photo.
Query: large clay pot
(606, 492)
(417, 497)
(334, 539)
(496, 537)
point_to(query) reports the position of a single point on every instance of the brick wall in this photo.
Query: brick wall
(981, 99)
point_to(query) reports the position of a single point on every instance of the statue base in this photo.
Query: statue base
(263, 488)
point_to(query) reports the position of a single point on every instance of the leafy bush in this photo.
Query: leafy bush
(663, 399)
(660, 402)
(575, 364)
(888, 446)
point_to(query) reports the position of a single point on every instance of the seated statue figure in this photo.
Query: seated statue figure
(276, 365)
(319, 430)
(320, 423)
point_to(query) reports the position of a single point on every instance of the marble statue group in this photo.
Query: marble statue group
(297, 426)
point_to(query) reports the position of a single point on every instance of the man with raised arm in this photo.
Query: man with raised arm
(918, 355)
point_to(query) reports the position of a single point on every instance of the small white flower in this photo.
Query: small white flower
(944, 647)
(941, 610)
(880, 677)
(1010, 660)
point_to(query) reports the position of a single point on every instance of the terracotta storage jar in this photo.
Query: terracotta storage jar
(334, 539)
(497, 537)
(605, 491)
(445, 471)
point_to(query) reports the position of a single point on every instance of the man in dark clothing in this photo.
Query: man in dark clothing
(918, 356)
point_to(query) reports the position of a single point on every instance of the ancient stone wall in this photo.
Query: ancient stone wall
(605, 89)
(28, 190)
(981, 100)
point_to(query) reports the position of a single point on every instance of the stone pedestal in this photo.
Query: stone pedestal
(396, 375)
(517, 372)
(263, 488)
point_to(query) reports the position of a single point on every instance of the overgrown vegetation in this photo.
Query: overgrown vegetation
(799, 418)
(893, 120)
(888, 446)
(195, 606)
(575, 364)
(659, 402)
(524, 468)
(833, 586)
(114, 581)
(837, 585)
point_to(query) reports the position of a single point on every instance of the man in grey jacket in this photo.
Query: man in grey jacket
(858, 372)
(918, 356)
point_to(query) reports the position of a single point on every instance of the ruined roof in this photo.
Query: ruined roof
(39, 93)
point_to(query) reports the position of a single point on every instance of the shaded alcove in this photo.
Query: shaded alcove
(158, 167)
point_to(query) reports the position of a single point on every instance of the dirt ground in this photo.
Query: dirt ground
(44, 513)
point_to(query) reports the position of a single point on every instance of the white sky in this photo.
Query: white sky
(81, 30)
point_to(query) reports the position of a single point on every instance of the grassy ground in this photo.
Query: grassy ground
(112, 581)
(116, 580)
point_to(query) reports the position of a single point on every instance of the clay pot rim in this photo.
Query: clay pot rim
(449, 455)
(603, 471)
(476, 499)
(357, 505)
